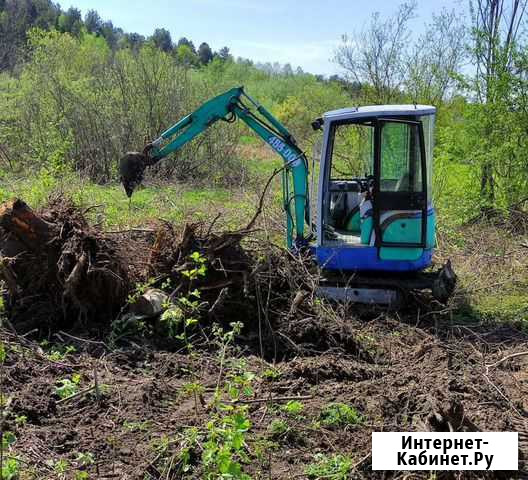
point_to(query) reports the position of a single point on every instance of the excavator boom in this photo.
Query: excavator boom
(228, 107)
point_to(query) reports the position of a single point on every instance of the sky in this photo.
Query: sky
(302, 33)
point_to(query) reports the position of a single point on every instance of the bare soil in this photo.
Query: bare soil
(411, 377)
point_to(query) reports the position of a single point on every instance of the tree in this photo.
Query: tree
(287, 70)
(111, 34)
(377, 55)
(162, 39)
(205, 53)
(71, 21)
(16, 18)
(134, 41)
(188, 43)
(434, 62)
(185, 56)
(224, 55)
(93, 22)
(494, 45)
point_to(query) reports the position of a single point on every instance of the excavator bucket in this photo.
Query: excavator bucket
(131, 168)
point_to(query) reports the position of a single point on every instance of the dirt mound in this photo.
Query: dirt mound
(60, 270)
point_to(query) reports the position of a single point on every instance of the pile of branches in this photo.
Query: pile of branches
(60, 272)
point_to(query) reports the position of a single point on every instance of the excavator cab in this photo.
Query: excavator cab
(374, 209)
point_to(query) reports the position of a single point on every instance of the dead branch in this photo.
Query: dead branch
(507, 357)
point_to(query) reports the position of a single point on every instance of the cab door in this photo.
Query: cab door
(400, 210)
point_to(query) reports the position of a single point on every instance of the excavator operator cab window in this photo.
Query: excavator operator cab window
(351, 165)
(400, 158)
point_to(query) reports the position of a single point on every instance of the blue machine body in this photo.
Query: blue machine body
(394, 146)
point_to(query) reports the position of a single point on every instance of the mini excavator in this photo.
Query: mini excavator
(375, 225)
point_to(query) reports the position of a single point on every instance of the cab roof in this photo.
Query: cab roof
(379, 111)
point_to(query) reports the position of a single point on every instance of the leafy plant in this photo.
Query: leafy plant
(238, 380)
(189, 445)
(20, 420)
(9, 465)
(136, 426)
(68, 387)
(278, 428)
(196, 390)
(271, 374)
(57, 353)
(340, 415)
(61, 466)
(84, 458)
(8, 439)
(293, 408)
(139, 290)
(200, 268)
(337, 467)
(10, 469)
(225, 448)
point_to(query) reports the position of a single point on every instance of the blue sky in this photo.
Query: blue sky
(302, 33)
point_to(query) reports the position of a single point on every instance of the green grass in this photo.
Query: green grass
(340, 415)
(172, 203)
(455, 193)
(507, 306)
(337, 467)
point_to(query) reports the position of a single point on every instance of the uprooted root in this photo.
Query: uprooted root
(62, 272)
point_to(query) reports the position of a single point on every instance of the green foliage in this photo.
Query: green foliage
(278, 428)
(271, 374)
(57, 353)
(67, 387)
(136, 426)
(61, 466)
(84, 458)
(200, 268)
(340, 415)
(8, 439)
(20, 420)
(10, 469)
(293, 408)
(337, 467)
(225, 448)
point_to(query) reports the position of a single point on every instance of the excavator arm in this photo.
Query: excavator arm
(228, 107)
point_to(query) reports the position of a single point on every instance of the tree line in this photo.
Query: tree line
(77, 92)
(17, 17)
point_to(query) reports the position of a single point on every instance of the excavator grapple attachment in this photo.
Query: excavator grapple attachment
(131, 169)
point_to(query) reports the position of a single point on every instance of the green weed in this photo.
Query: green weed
(278, 428)
(225, 447)
(20, 420)
(136, 426)
(337, 467)
(340, 415)
(68, 387)
(84, 459)
(10, 469)
(293, 408)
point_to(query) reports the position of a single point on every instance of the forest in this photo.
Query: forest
(171, 334)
